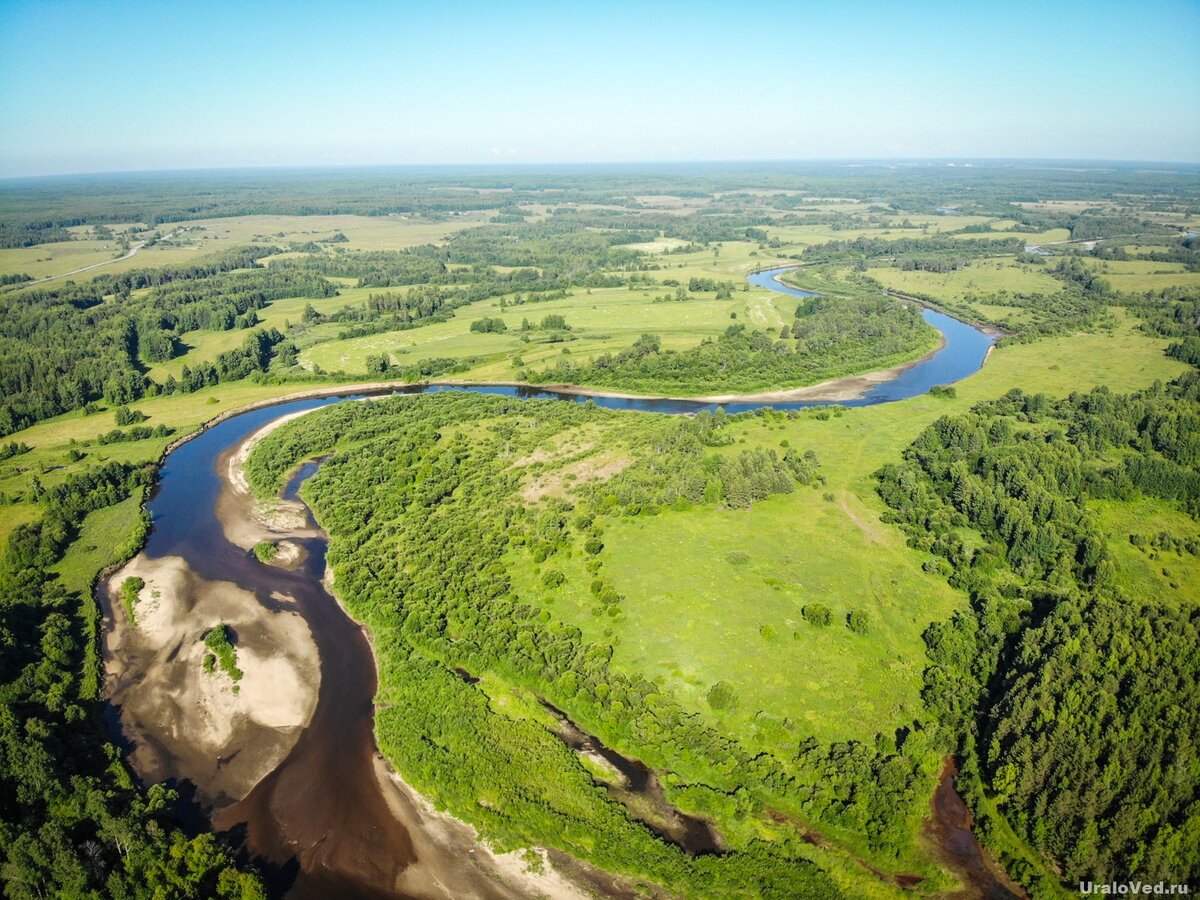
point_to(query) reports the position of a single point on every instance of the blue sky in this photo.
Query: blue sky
(105, 86)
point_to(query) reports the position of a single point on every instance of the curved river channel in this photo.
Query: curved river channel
(323, 822)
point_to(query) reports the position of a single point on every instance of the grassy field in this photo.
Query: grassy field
(95, 548)
(988, 276)
(1145, 572)
(601, 319)
(1138, 276)
(205, 236)
(698, 617)
(362, 232)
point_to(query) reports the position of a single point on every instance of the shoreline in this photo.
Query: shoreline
(448, 852)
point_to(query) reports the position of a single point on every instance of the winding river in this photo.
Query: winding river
(329, 820)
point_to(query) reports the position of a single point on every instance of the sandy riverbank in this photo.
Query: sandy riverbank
(246, 520)
(184, 722)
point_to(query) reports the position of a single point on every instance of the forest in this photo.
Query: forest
(1074, 702)
(1001, 572)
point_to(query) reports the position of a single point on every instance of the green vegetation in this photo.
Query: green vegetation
(829, 336)
(468, 606)
(224, 653)
(265, 551)
(728, 599)
(130, 588)
(1030, 675)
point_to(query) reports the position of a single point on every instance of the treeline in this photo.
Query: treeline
(30, 234)
(1076, 704)
(424, 558)
(1094, 224)
(72, 821)
(981, 190)
(66, 347)
(830, 337)
(934, 253)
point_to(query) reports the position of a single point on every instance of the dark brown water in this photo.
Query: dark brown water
(638, 788)
(950, 827)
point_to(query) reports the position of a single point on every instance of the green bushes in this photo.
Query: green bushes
(721, 696)
(817, 614)
(219, 641)
(265, 551)
(858, 622)
(130, 588)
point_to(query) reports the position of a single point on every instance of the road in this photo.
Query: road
(108, 262)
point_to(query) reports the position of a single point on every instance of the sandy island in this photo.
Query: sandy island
(184, 722)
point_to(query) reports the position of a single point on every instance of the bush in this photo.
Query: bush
(817, 614)
(130, 588)
(220, 642)
(721, 696)
(857, 622)
(127, 416)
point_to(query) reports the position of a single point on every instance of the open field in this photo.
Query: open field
(204, 236)
(601, 320)
(703, 619)
(981, 277)
(1146, 572)
(95, 546)
(1138, 276)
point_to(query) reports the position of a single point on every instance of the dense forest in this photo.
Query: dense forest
(1076, 705)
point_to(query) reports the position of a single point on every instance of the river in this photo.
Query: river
(328, 819)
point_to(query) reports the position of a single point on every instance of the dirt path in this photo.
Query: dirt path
(870, 530)
(108, 262)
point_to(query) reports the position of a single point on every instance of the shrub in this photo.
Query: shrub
(857, 622)
(817, 614)
(721, 696)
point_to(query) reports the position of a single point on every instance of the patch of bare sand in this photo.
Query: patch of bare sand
(247, 520)
(224, 736)
(289, 555)
(451, 858)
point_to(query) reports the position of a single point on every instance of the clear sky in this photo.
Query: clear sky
(160, 84)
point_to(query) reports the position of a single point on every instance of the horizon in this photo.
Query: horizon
(849, 162)
(194, 87)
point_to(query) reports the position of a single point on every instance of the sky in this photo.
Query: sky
(113, 86)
